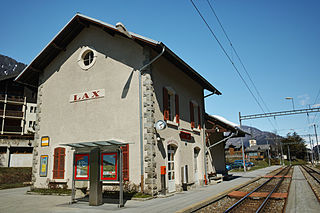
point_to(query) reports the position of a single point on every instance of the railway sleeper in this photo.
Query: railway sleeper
(258, 195)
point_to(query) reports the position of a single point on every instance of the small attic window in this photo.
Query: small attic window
(87, 58)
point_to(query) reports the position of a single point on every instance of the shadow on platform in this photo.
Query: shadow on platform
(108, 198)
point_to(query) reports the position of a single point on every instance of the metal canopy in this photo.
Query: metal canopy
(96, 144)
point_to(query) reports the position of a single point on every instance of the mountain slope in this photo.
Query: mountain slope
(10, 67)
(260, 136)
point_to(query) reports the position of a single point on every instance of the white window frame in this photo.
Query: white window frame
(82, 54)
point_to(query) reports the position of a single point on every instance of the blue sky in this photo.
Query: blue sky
(278, 41)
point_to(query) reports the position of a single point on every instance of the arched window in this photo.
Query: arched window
(58, 163)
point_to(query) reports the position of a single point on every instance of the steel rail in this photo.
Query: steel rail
(317, 179)
(273, 190)
(254, 190)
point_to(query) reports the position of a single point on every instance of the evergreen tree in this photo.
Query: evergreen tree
(296, 145)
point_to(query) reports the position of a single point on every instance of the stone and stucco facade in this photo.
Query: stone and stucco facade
(114, 71)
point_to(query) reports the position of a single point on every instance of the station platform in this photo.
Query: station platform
(17, 201)
(301, 197)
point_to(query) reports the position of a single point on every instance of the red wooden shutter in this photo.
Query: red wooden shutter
(191, 115)
(177, 109)
(165, 104)
(199, 118)
(58, 164)
(125, 168)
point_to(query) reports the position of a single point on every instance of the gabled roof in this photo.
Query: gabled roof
(30, 74)
(262, 147)
(235, 146)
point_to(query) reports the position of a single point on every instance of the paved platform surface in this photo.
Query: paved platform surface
(16, 200)
(301, 197)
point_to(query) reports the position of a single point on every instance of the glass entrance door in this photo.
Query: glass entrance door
(171, 172)
(195, 166)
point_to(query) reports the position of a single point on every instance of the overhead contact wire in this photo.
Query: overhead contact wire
(237, 55)
(234, 66)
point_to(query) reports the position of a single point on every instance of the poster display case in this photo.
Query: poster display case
(45, 141)
(43, 166)
(81, 167)
(109, 166)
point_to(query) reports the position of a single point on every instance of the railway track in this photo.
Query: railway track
(312, 172)
(253, 203)
(267, 194)
(313, 177)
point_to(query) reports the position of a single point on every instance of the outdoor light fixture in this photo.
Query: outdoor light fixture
(290, 98)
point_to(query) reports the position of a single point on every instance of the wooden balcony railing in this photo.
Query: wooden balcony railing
(12, 98)
(12, 128)
(12, 113)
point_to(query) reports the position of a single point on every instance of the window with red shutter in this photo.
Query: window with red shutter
(58, 163)
(125, 169)
(170, 109)
(199, 118)
(191, 115)
(165, 104)
(177, 108)
(171, 106)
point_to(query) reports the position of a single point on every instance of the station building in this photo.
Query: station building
(99, 85)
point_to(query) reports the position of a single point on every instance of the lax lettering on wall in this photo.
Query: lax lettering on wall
(83, 96)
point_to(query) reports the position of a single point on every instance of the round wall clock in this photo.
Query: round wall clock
(160, 125)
